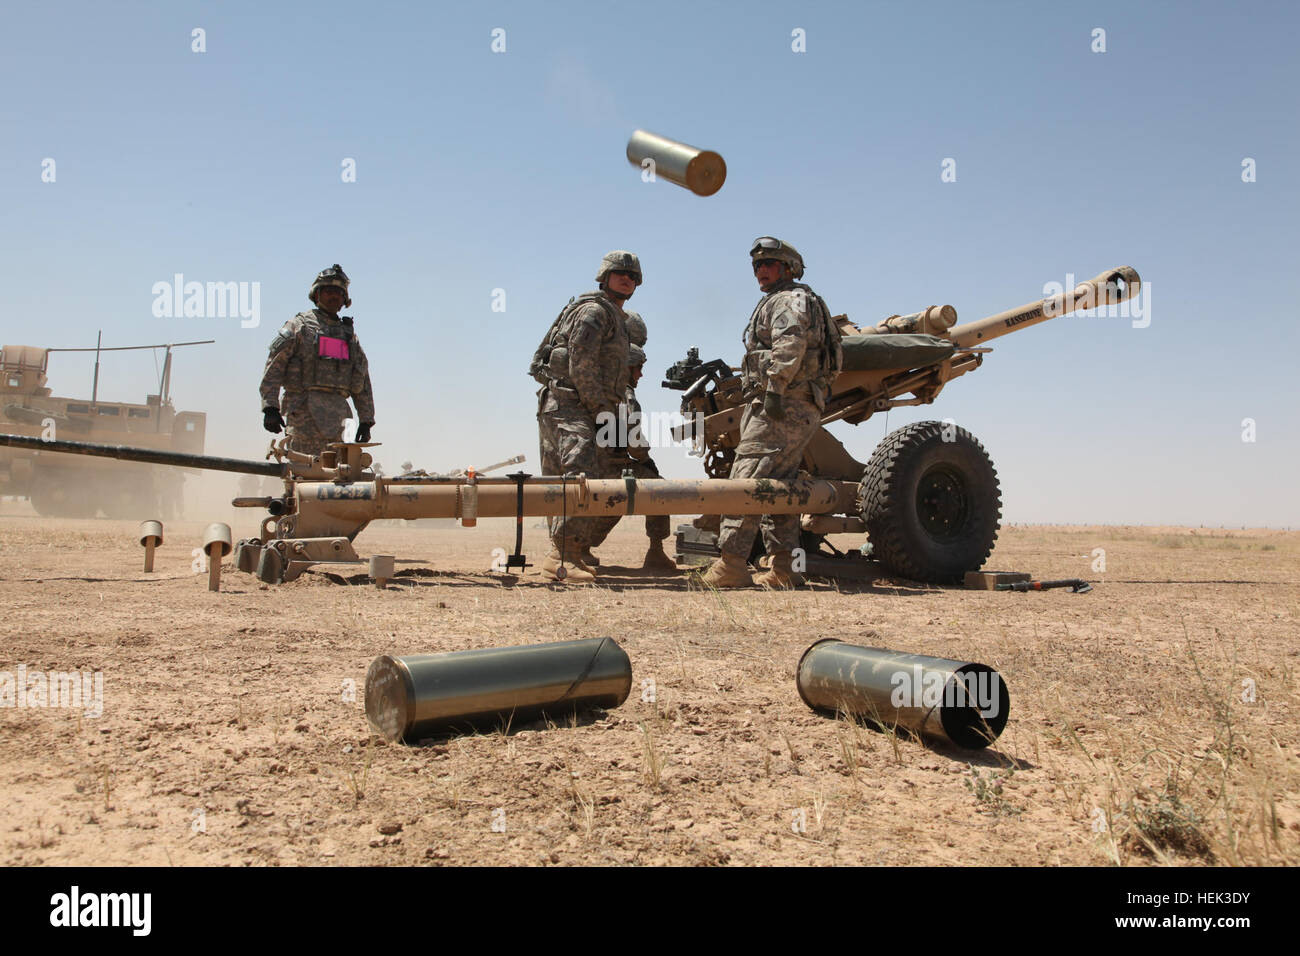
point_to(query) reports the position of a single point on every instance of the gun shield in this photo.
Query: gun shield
(959, 702)
(702, 171)
(408, 698)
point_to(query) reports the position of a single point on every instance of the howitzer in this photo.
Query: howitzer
(928, 497)
(330, 498)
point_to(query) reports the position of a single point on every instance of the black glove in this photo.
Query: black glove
(272, 421)
(772, 406)
(363, 432)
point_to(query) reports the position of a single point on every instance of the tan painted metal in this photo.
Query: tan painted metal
(935, 320)
(989, 580)
(833, 524)
(1108, 288)
(325, 508)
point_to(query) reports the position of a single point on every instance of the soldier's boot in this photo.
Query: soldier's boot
(728, 571)
(588, 559)
(781, 574)
(577, 556)
(657, 560)
(574, 572)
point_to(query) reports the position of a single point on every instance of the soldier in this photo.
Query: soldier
(582, 366)
(636, 459)
(792, 354)
(320, 363)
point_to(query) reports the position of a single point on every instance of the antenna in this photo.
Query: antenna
(94, 389)
(164, 386)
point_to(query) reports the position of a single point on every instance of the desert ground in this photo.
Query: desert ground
(1153, 721)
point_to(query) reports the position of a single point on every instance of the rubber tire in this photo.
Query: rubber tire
(958, 475)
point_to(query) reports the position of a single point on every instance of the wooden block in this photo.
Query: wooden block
(989, 580)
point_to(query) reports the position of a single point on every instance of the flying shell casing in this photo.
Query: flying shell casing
(408, 698)
(702, 171)
(959, 702)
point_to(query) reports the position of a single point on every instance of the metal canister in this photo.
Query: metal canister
(960, 702)
(702, 171)
(408, 698)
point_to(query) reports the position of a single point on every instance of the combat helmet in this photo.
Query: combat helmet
(620, 260)
(766, 247)
(636, 331)
(635, 356)
(333, 276)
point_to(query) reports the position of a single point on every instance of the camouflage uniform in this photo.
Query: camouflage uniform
(318, 360)
(786, 352)
(588, 376)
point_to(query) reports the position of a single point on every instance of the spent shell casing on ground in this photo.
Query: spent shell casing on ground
(702, 171)
(423, 695)
(960, 702)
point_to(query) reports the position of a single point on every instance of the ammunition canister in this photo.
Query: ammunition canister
(408, 698)
(960, 702)
(217, 544)
(151, 535)
(701, 171)
(382, 569)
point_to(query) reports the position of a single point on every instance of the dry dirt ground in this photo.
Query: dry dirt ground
(1152, 720)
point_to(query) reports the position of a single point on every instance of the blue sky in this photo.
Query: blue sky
(478, 171)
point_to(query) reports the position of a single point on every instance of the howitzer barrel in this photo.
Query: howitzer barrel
(1109, 288)
(150, 455)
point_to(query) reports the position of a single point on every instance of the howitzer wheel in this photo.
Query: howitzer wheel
(932, 506)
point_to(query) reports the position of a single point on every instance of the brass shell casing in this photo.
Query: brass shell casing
(409, 698)
(926, 696)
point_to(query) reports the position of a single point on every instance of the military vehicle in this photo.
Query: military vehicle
(59, 486)
(928, 497)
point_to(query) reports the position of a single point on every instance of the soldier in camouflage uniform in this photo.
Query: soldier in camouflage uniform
(582, 365)
(792, 354)
(636, 459)
(317, 359)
